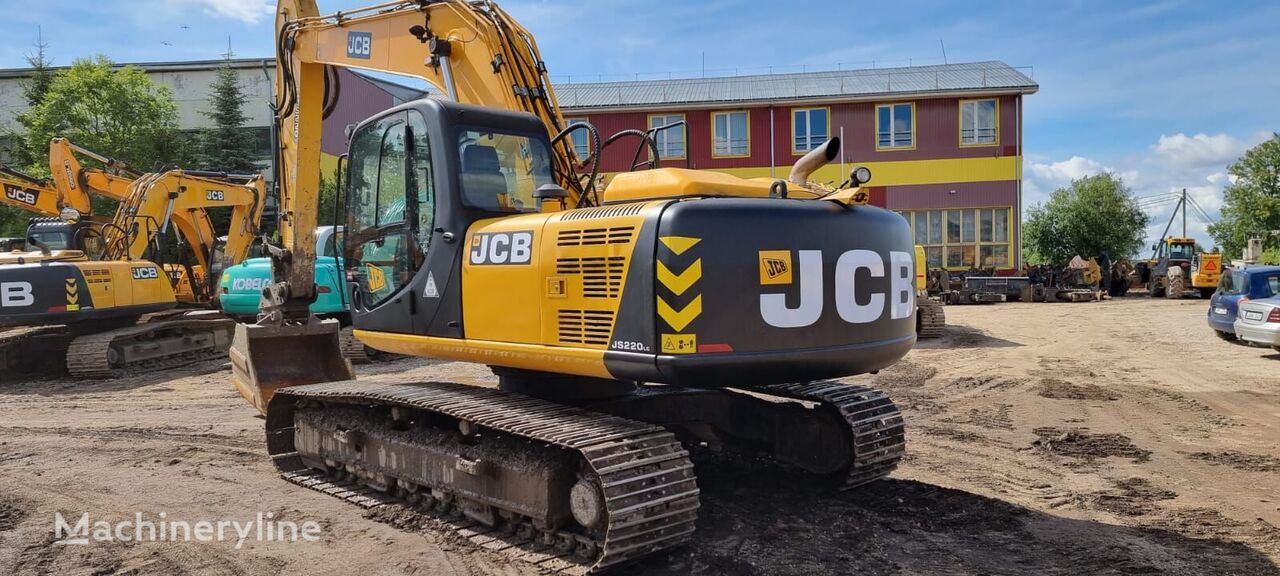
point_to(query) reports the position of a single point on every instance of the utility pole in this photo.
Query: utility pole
(1184, 212)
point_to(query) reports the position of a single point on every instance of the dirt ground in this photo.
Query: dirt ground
(1109, 438)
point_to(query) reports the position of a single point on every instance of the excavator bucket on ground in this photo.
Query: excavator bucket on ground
(267, 358)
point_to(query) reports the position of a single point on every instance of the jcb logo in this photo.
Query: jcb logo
(359, 45)
(852, 267)
(502, 248)
(146, 273)
(215, 195)
(24, 195)
(775, 267)
(16, 294)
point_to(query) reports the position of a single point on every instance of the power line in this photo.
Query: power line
(1203, 214)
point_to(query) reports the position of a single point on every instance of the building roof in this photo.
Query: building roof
(991, 77)
(177, 66)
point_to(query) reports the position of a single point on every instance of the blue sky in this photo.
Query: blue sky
(1164, 93)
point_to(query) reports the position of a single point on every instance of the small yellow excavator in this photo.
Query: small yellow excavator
(83, 298)
(671, 308)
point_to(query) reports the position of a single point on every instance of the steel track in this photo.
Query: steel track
(647, 481)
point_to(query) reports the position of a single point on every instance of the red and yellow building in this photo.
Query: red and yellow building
(944, 143)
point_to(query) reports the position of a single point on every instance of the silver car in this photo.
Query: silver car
(1258, 321)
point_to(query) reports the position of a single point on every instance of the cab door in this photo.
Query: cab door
(380, 255)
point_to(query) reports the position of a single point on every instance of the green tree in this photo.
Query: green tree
(1092, 215)
(227, 147)
(115, 111)
(13, 222)
(1251, 204)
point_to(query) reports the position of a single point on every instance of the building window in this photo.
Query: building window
(810, 127)
(670, 141)
(895, 126)
(732, 134)
(964, 238)
(979, 123)
(580, 138)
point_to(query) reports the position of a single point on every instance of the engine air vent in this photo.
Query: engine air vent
(601, 277)
(591, 327)
(603, 212)
(596, 236)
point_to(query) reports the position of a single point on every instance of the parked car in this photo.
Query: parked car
(1259, 322)
(1250, 283)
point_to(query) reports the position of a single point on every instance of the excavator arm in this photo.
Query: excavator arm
(75, 182)
(472, 51)
(33, 194)
(183, 198)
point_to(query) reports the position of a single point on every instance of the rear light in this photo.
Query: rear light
(322, 289)
(1274, 316)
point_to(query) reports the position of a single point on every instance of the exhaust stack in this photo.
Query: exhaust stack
(815, 159)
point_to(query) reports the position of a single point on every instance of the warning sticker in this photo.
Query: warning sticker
(430, 291)
(679, 343)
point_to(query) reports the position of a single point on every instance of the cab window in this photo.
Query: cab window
(1181, 251)
(500, 171)
(378, 253)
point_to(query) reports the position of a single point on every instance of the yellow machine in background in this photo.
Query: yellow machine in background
(931, 318)
(86, 307)
(1177, 270)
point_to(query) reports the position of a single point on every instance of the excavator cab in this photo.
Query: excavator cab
(418, 176)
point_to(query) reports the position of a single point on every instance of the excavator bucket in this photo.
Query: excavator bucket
(266, 358)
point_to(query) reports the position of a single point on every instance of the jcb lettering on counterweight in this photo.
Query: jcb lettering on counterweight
(146, 273)
(16, 294)
(502, 248)
(899, 301)
(24, 195)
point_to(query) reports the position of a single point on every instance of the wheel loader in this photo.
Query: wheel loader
(626, 323)
(1176, 270)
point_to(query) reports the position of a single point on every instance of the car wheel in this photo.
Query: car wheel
(1228, 336)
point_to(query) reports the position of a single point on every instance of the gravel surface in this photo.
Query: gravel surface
(1118, 437)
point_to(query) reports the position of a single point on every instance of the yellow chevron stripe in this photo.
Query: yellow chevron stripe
(678, 283)
(679, 244)
(678, 320)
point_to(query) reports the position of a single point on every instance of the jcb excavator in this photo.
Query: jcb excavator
(620, 322)
(88, 309)
(63, 208)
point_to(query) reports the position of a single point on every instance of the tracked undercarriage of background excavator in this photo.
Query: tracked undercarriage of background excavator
(670, 307)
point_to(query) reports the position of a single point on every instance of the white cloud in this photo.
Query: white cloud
(1042, 178)
(1200, 150)
(1196, 163)
(247, 11)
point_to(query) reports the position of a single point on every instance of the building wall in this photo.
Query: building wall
(190, 92)
(936, 174)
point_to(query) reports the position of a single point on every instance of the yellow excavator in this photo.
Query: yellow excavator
(72, 185)
(83, 299)
(671, 308)
(67, 195)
